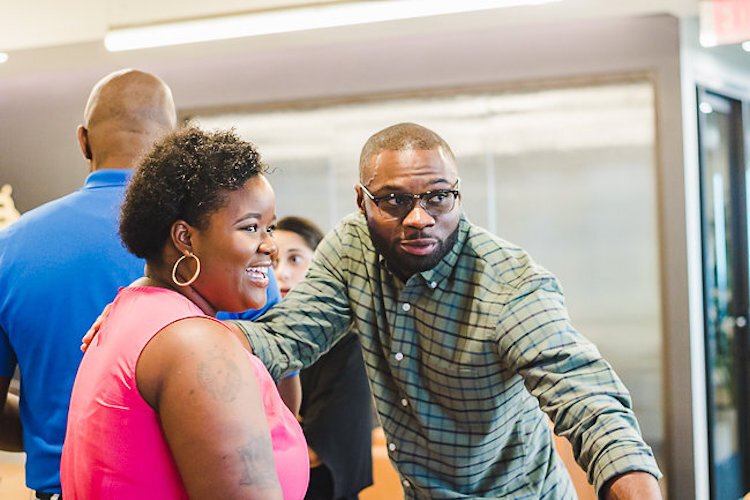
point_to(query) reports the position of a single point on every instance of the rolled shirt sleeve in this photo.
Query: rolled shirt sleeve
(310, 319)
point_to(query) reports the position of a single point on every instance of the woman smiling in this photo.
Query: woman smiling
(167, 402)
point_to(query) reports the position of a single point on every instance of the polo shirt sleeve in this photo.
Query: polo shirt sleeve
(7, 356)
(313, 316)
(575, 386)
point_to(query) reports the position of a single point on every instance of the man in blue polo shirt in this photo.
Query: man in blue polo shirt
(61, 263)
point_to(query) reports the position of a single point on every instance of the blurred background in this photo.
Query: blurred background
(607, 138)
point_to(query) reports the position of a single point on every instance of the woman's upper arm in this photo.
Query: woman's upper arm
(198, 378)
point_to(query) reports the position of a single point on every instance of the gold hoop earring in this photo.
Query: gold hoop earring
(195, 276)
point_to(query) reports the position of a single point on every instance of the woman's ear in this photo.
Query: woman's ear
(181, 233)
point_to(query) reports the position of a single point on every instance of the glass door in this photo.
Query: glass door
(724, 203)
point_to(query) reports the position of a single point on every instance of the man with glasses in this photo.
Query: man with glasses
(464, 338)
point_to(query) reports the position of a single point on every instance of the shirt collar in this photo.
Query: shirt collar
(442, 269)
(108, 177)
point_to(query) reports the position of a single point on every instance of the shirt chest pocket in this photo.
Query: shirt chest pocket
(473, 383)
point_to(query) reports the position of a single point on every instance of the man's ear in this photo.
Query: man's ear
(181, 234)
(83, 141)
(360, 199)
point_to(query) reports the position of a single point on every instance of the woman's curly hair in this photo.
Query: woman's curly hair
(186, 176)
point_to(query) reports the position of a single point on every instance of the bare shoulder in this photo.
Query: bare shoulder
(196, 329)
(199, 346)
(195, 337)
(222, 446)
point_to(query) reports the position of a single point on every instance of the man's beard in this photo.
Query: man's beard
(405, 265)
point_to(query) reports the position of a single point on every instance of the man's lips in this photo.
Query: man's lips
(419, 246)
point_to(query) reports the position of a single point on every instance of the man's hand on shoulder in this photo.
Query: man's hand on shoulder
(91, 333)
(633, 485)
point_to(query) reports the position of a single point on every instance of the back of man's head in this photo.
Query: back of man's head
(127, 112)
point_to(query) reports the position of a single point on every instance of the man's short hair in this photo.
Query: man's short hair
(400, 137)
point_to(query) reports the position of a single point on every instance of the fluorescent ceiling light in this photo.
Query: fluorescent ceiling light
(285, 21)
(3, 57)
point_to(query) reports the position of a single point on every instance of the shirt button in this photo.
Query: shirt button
(399, 356)
(406, 306)
(391, 446)
(404, 402)
(433, 284)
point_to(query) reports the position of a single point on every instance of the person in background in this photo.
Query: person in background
(336, 410)
(62, 262)
(167, 402)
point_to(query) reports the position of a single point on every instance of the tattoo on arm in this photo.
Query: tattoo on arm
(221, 378)
(258, 468)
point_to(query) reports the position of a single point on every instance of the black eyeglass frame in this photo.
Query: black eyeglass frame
(421, 196)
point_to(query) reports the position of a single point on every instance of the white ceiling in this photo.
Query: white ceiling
(57, 54)
(47, 23)
(43, 23)
(62, 41)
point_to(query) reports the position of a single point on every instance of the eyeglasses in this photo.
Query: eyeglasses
(399, 205)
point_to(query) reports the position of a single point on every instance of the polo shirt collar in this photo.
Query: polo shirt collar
(108, 177)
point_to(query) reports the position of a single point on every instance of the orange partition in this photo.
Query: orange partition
(386, 482)
(584, 490)
(12, 482)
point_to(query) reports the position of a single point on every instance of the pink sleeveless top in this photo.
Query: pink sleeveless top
(114, 446)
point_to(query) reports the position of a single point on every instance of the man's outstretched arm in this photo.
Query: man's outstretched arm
(311, 318)
(580, 392)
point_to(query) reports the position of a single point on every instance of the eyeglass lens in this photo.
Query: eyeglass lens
(434, 203)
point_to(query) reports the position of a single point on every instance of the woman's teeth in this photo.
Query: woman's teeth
(258, 271)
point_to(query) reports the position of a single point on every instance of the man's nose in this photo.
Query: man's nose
(418, 217)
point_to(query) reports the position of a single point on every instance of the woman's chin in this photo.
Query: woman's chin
(255, 304)
(247, 304)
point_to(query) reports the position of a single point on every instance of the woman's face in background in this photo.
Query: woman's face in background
(294, 258)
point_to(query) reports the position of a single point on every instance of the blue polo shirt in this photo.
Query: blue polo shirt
(60, 264)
